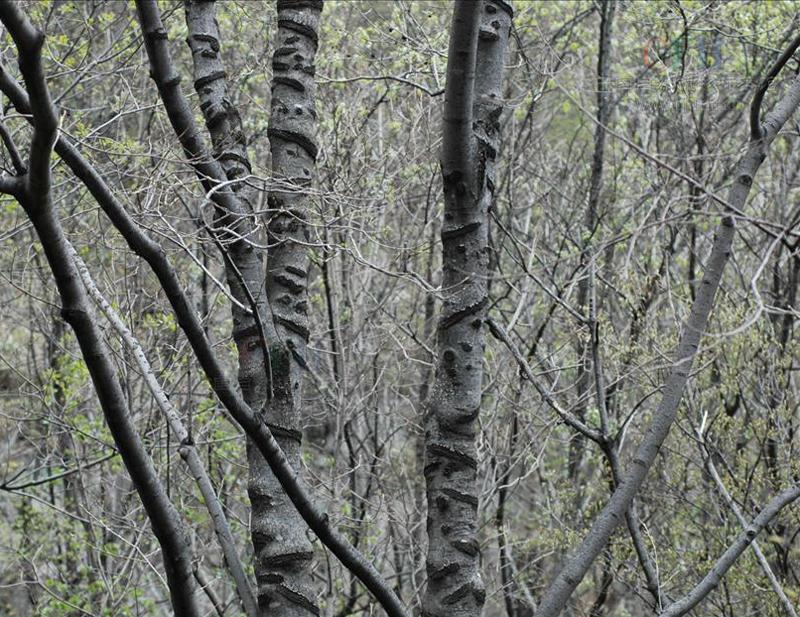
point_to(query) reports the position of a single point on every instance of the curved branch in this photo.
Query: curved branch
(756, 131)
(608, 448)
(569, 419)
(729, 557)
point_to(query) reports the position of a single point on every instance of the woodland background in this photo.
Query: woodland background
(73, 537)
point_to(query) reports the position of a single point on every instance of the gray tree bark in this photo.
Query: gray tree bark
(279, 541)
(264, 357)
(283, 550)
(478, 41)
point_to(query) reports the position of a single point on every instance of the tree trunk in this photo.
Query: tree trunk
(284, 553)
(472, 97)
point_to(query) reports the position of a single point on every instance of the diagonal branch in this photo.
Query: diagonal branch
(576, 566)
(729, 557)
(569, 419)
(36, 200)
(606, 445)
(762, 560)
(187, 448)
(757, 131)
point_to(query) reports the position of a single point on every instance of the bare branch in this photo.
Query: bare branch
(762, 560)
(756, 131)
(729, 557)
(578, 563)
(187, 449)
(37, 202)
(501, 335)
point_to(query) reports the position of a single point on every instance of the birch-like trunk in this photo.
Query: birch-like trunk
(473, 104)
(283, 552)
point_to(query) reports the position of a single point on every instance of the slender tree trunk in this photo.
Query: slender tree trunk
(578, 443)
(264, 358)
(474, 78)
(284, 553)
(274, 540)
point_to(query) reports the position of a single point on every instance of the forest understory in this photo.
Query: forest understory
(430, 308)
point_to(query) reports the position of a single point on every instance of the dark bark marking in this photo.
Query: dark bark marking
(157, 34)
(289, 82)
(229, 155)
(297, 598)
(449, 234)
(212, 41)
(241, 334)
(283, 559)
(279, 431)
(452, 454)
(438, 573)
(290, 283)
(296, 271)
(210, 78)
(284, 51)
(293, 5)
(502, 4)
(462, 497)
(294, 326)
(453, 319)
(467, 546)
(303, 29)
(294, 137)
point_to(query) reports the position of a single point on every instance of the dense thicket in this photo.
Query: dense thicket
(620, 146)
